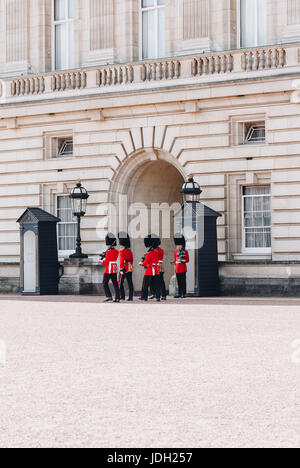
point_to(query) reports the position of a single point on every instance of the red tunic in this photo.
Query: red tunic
(110, 261)
(161, 264)
(126, 260)
(151, 263)
(180, 266)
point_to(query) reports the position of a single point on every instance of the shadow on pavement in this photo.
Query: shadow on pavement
(190, 300)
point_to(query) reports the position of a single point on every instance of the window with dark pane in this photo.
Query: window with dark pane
(254, 132)
(65, 147)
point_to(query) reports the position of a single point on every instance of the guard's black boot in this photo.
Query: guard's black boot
(109, 299)
(130, 299)
(117, 300)
(163, 298)
(152, 297)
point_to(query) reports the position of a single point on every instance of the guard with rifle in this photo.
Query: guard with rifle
(150, 263)
(109, 259)
(126, 265)
(181, 258)
(161, 268)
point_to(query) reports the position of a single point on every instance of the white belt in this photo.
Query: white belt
(113, 267)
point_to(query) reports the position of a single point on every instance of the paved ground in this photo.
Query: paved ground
(205, 373)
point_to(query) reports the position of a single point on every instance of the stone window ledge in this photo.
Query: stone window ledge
(252, 256)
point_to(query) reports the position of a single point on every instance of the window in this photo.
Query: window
(153, 28)
(63, 34)
(253, 22)
(248, 129)
(257, 218)
(67, 226)
(254, 132)
(61, 147)
(64, 147)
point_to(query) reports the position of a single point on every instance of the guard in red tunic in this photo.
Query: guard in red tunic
(110, 260)
(126, 265)
(181, 259)
(161, 279)
(150, 263)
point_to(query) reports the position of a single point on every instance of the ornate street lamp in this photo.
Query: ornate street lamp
(191, 191)
(79, 197)
(198, 223)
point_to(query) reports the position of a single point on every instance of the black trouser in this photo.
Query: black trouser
(114, 278)
(146, 284)
(128, 276)
(162, 286)
(181, 280)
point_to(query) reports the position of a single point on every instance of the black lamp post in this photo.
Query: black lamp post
(191, 191)
(79, 197)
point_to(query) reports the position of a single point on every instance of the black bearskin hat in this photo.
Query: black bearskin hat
(147, 242)
(111, 240)
(124, 240)
(155, 241)
(179, 239)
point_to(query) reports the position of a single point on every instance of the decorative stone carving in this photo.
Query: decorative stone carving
(16, 23)
(102, 19)
(195, 26)
(293, 11)
(195, 19)
(101, 31)
(292, 31)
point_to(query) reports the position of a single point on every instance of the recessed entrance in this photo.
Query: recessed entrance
(152, 181)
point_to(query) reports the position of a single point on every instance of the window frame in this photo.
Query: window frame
(63, 253)
(142, 10)
(60, 155)
(245, 134)
(239, 27)
(55, 23)
(258, 250)
(237, 129)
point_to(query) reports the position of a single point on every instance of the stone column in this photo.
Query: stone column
(292, 30)
(101, 32)
(195, 26)
(16, 38)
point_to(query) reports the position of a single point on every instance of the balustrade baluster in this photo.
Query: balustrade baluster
(282, 57)
(270, 58)
(244, 61)
(256, 60)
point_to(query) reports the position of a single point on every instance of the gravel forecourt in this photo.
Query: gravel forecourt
(195, 373)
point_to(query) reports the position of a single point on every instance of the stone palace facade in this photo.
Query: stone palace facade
(132, 96)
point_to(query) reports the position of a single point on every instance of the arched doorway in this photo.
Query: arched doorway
(148, 178)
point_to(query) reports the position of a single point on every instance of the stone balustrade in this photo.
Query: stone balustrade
(68, 81)
(160, 70)
(181, 70)
(211, 64)
(117, 75)
(264, 59)
(28, 86)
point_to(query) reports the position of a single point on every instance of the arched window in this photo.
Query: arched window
(63, 34)
(253, 22)
(152, 28)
